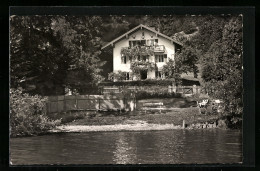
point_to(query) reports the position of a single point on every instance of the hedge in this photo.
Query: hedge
(138, 83)
(148, 83)
(149, 95)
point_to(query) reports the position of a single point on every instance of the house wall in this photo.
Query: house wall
(170, 50)
(117, 65)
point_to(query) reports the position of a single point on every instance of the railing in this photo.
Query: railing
(155, 48)
(159, 48)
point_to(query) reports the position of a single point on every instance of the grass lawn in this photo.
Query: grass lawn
(176, 117)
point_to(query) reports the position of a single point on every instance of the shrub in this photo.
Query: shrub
(119, 76)
(27, 114)
(71, 116)
(148, 95)
(148, 82)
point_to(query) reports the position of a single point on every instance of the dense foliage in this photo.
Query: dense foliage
(170, 70)
(147, 82)
(222, 66)
(133, 52)
(49, 53)
(138, 66)
(148, 95)
(116, 76)
(27, 114)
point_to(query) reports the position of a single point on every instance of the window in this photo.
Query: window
(123, 59)
(151, 42)
(160, 58)
(133, 43)
(126, 75)
(143, 42)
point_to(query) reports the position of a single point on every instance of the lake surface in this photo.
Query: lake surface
(144, 147)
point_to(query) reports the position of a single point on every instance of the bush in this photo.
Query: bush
(149, 82)
(71, 116)
(27, 114)
(148, 95)
(138, 83)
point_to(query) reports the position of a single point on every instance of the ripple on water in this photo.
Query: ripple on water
(138, 147)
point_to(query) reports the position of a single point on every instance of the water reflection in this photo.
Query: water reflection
(144, 147)
(124, 153)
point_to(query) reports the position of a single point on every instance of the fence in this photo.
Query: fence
(89, 102)
(185, 90)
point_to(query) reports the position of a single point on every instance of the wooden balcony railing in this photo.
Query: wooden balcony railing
(156, 48)
(159, 48)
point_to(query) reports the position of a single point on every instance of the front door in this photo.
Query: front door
(143, 75)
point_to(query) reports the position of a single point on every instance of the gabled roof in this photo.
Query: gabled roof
(139, 27)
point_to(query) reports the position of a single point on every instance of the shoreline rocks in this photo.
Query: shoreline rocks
(132, 126)
(203, 125)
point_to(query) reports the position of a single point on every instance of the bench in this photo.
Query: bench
(147, 106)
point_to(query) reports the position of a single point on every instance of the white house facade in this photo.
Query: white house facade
(142, 38)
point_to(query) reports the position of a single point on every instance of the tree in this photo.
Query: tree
(171, 71)
(45, 50)
(38, 58)
(222, 66)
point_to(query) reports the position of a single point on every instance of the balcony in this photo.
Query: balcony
(159, 48)
(143, 49)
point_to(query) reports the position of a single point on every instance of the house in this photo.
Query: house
(141, 53)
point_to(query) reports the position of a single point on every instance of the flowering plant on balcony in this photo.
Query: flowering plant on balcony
(135, 51)
(138, 66)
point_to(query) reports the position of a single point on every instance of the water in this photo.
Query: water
(144, 147)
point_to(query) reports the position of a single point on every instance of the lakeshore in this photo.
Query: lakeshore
(183, 118)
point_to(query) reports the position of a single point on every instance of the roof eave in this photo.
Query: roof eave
(141, 25)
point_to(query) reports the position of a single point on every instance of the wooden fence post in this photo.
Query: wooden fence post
(65, 105)
(194, 89)
(183, 124)
(98, 103)
(76, 99)
(57, 101)
(169, 89)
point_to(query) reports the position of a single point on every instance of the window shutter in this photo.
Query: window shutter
(165, 57)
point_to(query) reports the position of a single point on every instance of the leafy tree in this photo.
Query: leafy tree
(222, 66)
(38, 58)
(47, 50)
(189, 59)
(171, 71)
(27, 114)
